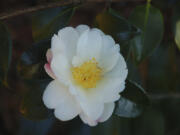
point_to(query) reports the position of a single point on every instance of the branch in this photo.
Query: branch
(7, 15)
(19, 12)
(164, 96)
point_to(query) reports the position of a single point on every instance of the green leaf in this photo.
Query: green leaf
(127, 108)
(32, 106)
(47, 22)
(5, 52)
(150, 20)
(132, 102)
(115, 25)
(31, 64)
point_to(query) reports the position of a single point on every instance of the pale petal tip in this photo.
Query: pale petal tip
(49, 55)
(49, 71)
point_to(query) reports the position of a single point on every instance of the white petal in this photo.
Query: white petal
(117, 46)
(82, 28)
(52, 94)
(119, 71)
(57, 96)
(67, 111)
(87, 120)
(61, 68)
(108, 90)
(92, 109)
(98, 30)
(89, 45)
(108, 110)
(49, 55)
(76, 61)
(109, 54)
(57, 46)
(66, 43)
(90, 105)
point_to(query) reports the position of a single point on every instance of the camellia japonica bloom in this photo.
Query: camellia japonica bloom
(89, 73)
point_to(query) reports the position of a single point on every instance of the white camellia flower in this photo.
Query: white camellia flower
(88, 72)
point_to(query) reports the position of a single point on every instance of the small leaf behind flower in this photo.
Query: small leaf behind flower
(31, 64)
(127, 108)
(132, 102)
(5, 52)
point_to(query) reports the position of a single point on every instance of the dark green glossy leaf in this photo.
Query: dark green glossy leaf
(150, 20)
(132, 102)
(47, 22)
(115, 25)
(5, 52)
(32, 106)
(32, 61)
(127, 108)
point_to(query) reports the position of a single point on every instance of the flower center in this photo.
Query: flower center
(88, 74)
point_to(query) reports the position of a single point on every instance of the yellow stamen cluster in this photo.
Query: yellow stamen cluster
(88, 74)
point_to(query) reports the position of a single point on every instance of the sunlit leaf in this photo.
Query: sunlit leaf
(47, 22)
(133, 101)
(150, 20)
(32, 61)
(32, 106)
(5, 52)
